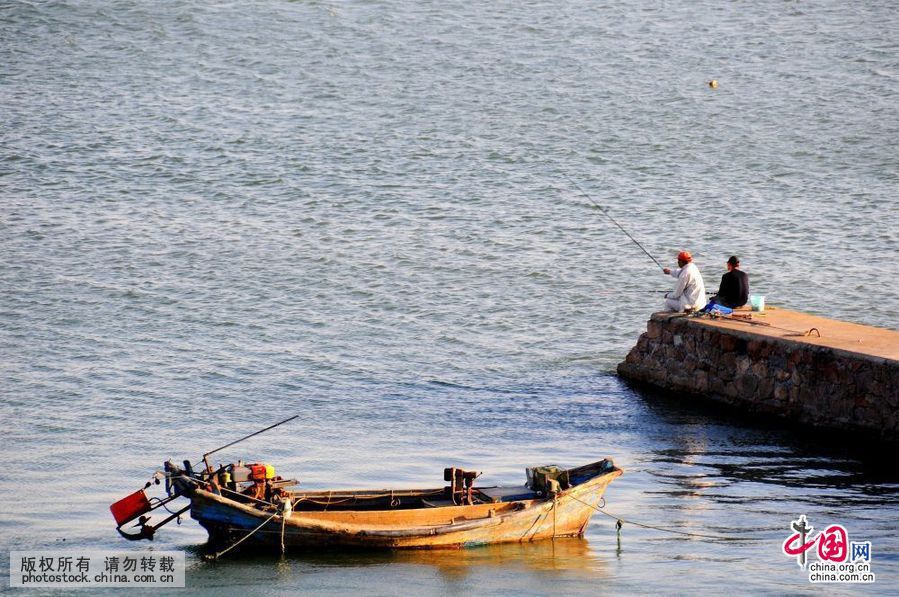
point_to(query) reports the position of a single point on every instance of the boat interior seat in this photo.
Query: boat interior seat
(508, 494)
(437, 503)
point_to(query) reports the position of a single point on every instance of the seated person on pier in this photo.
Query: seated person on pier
(734, 289)
(689, 292)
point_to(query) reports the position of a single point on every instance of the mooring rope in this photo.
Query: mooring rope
(663, 529)
(247, 536)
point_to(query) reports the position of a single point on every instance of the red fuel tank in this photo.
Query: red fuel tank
(130, 507)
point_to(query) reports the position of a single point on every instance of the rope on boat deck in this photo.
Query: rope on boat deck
(555, 503)
(283, 524)
(247, 536)
(395, 501)
(663, 529)
(243, 495)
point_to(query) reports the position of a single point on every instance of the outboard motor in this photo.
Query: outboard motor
(461, 484)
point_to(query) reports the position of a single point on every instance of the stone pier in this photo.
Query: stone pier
(811, 370)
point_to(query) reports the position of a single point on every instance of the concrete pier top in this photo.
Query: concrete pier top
(794, 326)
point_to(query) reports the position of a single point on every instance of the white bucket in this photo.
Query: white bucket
(757, 301)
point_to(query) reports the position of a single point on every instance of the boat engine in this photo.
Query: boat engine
(547, 479)
(461, 484)
(256, 480)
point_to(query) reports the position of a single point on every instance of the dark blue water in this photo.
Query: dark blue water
(214, 216)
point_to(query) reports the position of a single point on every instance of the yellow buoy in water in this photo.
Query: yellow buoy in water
(713, 84)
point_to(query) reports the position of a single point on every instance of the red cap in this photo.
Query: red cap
(685, 256)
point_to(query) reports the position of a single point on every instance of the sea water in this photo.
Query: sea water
(217, 215)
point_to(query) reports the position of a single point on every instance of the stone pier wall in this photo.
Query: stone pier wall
(817, 385)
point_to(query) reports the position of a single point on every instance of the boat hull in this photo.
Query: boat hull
(564, 515)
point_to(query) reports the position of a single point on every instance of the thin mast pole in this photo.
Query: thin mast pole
(228, 445)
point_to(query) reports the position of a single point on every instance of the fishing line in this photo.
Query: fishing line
(608, 215)
(613, 220)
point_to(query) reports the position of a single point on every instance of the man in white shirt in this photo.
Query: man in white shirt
(689, 293)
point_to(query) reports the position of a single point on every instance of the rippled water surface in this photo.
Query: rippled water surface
(216, 215)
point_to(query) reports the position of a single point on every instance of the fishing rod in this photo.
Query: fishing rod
(228, 445)
(620, 227)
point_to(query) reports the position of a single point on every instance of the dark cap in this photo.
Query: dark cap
(734, 260)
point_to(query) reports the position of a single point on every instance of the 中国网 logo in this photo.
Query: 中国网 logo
(839, 560)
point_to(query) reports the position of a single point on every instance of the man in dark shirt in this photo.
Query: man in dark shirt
(734, 289)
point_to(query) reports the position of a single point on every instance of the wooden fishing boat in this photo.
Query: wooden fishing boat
(250, 505)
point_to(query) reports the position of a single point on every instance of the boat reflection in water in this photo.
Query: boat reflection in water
(569, 554)
(509, 568)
